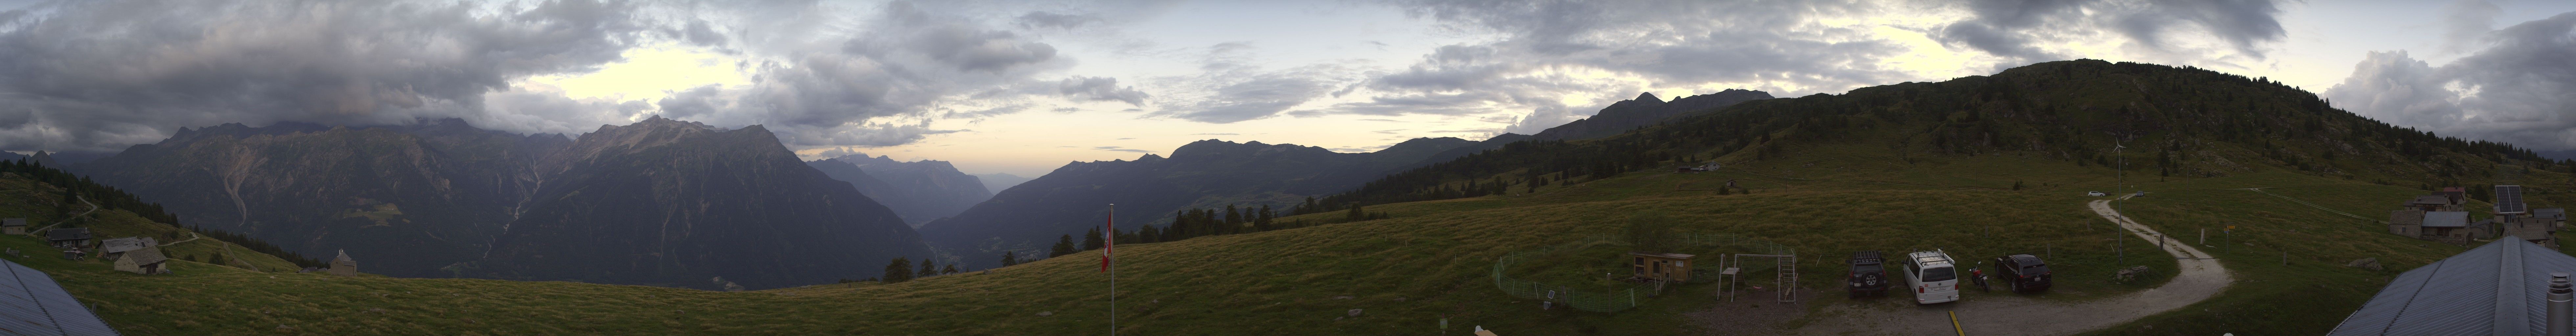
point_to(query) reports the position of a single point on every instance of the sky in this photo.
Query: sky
(1023, 87)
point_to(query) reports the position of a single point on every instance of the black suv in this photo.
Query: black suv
(1868, 274)
(2023, 273)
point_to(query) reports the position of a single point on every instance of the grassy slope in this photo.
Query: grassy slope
(1431, 261)
(35, 202)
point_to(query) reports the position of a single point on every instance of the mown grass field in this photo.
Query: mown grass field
(1431, 261)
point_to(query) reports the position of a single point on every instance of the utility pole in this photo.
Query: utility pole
(2123, 174)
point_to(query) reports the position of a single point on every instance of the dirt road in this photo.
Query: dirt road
(2200, 278)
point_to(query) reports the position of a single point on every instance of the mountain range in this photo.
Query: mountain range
(658, 202)
(1203, 174)
(918, 191)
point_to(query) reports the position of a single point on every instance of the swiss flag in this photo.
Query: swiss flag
(1108, 240)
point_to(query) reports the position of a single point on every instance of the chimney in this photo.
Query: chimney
(2560, 306)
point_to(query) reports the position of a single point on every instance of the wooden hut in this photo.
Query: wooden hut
(147, 260)
(68, 238)
(2449, 227)
(1672, 267)
(343, 266)
(2406, 223)
(15, 226)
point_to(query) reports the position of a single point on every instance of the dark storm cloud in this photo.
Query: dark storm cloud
(2011, 28)
(878, 83)
(103, 74)
(1101, 89)
(2514, 90)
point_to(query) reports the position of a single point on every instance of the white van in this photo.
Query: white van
(1933, 275)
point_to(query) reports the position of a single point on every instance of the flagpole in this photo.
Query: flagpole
(1113, 269)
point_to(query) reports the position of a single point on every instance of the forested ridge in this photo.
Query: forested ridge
(2170, 118)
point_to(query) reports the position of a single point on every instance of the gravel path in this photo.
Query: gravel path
(2201, 277)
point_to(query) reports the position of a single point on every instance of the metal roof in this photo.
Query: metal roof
(68, 234)
(126, 244)
(2496, 289)
(2446, 219)
(2550, 213)
(32, 304)
(13, 222)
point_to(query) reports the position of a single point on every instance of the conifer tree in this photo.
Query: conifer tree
(951, 269)
(1091, 240)
(898, 270)
(1063, 246)
(1008, 259)
(928, 268)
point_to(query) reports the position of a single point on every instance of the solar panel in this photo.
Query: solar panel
(2509, 200)
(34, 305)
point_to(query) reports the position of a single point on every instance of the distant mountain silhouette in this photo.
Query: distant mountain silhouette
(671, 203)
(1207, 173)
(997, 182)
(919, 191)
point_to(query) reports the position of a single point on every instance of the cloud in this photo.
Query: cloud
(2514, 90)
(1042, 19)
(1552, 62)
(2015, 29)
(879, 82)
(1121, 149)
(2464, 21)
(99, 75)
(1101, 89)
(1214, 134)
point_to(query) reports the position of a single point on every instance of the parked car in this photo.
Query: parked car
(1934, 276)
(2022, 272)
(2095, 194)
(1868, 274)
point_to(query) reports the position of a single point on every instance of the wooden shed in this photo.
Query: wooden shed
(343, 266)
(1672, 267)
(15, 226)
(68, 238)
(148, 260)
(2407, 223)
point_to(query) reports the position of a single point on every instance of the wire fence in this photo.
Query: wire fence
(1614, 300)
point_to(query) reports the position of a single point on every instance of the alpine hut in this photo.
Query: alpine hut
(114, 248)
(343, 266)
(147, 260)
(68, 238)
